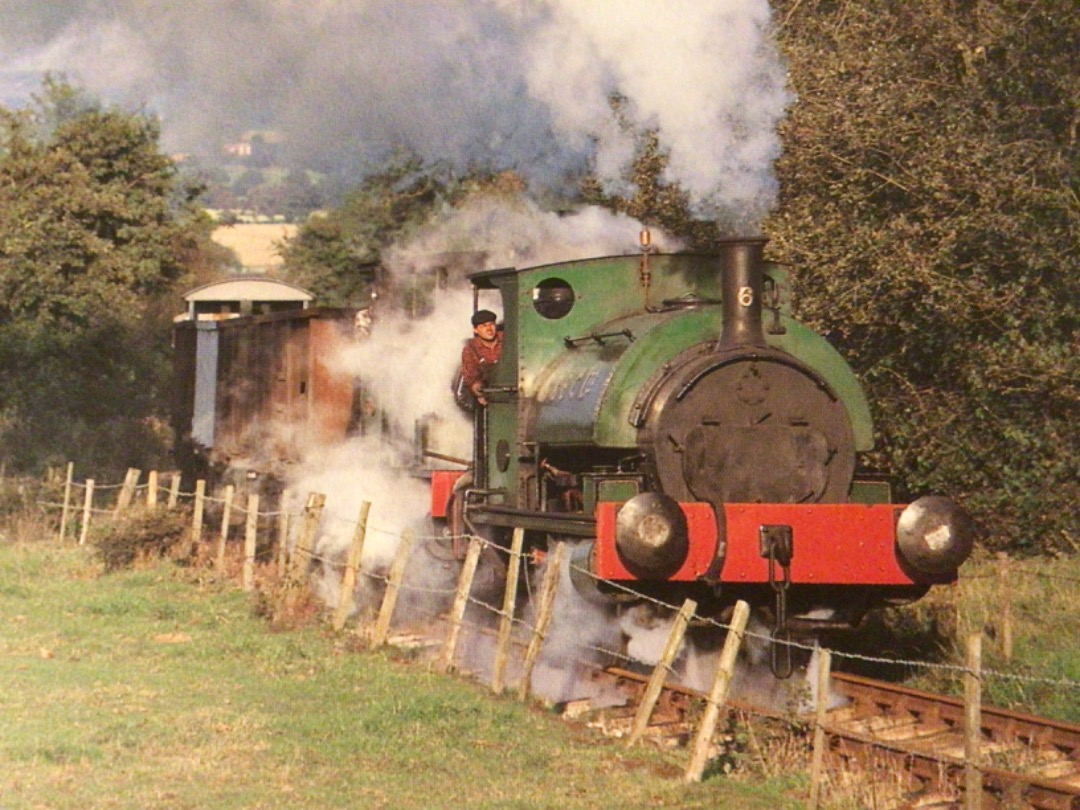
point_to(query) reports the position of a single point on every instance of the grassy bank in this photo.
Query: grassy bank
(1026, 611)
(146, 688)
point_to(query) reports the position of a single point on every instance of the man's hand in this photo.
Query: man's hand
(477, 389)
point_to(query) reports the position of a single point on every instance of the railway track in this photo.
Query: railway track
(1027, 761)
(910, 741)
(902, 734)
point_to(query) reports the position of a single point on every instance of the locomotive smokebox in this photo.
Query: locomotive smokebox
(651, 535)
(741, 273)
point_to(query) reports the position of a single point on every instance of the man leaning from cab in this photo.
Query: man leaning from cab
(481, 353)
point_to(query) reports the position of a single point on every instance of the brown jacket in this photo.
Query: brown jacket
(477, 359)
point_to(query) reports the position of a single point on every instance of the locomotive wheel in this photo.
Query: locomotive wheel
(489, 584)
(440, 542)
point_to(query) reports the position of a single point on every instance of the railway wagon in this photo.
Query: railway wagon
(254, 391)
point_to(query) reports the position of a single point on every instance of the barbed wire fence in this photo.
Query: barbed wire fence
(294, 555)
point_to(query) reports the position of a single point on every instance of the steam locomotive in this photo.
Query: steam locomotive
(663, 412)
(668, 415)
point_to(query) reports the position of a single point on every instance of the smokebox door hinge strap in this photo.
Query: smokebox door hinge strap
(777, 544)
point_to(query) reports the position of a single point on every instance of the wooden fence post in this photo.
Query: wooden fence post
(393, 588)
(127, 491)
(352, 569)
(461, 601)
(1005, 594)
(283, 533)
(816, 768)
(88, 508)
(151, 489)
(958, 595)
(661, 671)
(226, 517)
(67, 499)
(973, 782)
(506, 619)
(251, 530)
(197, 515)
(174, 490)
(300, 563)
(309, 527)
(718, 694)
(548, 588)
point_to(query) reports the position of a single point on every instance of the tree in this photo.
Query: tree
(929, 201)
(300, 195)
(245, 183)
(655, 201)
(335, 255)
(92, 231)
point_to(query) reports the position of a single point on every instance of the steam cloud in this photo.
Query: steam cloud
(494, 84)
(522, 85)
(407, 363)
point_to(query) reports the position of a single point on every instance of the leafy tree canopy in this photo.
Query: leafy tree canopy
(929, 202)
(335, 254)
(86, 222)
(93, 232)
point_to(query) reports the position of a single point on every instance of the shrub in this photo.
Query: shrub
(139, 534)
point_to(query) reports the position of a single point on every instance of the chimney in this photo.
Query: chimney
(741, 273)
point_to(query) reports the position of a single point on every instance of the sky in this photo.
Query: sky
(520, 85)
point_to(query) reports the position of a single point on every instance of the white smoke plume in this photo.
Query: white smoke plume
(406, 365)
(516, 232)
(523, 85)
(408, 362)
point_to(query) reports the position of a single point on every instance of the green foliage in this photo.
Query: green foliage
(91, 394)
(335, 255)
(929, 202)
(85, 222)
(94, 231)
(139, 534)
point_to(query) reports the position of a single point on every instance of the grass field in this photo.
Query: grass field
(256, 245)
(162, 687)
(151, 688)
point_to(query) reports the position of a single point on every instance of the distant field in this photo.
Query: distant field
(154, 688)
(256, 244)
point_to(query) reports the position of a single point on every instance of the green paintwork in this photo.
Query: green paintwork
(870, 492)
(590, 389)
